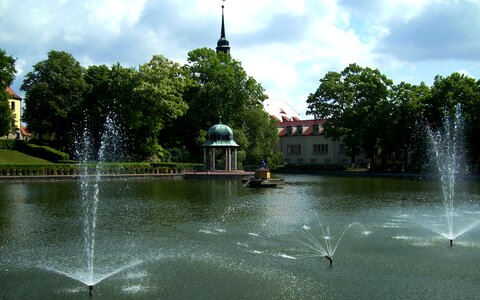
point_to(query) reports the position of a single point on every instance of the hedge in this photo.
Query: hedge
(177, 166)
(44, 152)
(7, 144)
(89, 168)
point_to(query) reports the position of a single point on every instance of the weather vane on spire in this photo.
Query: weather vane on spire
(223, 45)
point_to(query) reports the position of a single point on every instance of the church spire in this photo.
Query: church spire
(223, 45)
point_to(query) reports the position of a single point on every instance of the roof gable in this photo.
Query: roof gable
(12, 94)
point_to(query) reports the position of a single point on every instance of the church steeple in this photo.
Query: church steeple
(223, 45)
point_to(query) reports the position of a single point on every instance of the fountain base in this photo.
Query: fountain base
(329, 259)
(90, 290)
(451, 243)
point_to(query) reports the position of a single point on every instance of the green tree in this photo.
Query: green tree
(219, 87)
(123, 82)
(54, 96)
(98, 100)
(356, 105)
(159, 100)
(7, 75)
(408, 136)
(260, 131)
(446, 93)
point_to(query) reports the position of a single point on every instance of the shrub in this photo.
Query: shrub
(7, 144)
(44, 152)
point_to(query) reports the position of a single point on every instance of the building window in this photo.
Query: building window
(313, 161)
(342, 148)
(316, 129)
(327, 160)
(321, 149)
(289, 129)
(293, 149)
(299, 129)
(13, 105)
(300, 161)
(397, 156)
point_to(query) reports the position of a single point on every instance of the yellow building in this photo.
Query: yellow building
(15, 103)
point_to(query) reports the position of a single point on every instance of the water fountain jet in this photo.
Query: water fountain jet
(447, 148)
(90, 187)
(322, 247)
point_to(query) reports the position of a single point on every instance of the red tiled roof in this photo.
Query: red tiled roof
(308, 131)
(13, 94)
(275, 118)
(24, 131)
(300, 122)
(307, 127)
(282, 132)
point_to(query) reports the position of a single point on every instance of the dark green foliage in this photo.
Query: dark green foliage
(159, 101)
(177, 166)
(7, 75)
(219, 89)
(92, 168)
(356, 104)
(7, 144)
(55, 91)
(44, 152)
(363, 108)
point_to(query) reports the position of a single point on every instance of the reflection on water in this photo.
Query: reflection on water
(211, 239)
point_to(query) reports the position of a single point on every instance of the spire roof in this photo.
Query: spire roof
(222, 44)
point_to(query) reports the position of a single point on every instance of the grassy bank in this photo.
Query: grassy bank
(15, 157)
(15, 163)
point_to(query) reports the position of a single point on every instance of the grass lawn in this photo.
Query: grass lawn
(14, 157)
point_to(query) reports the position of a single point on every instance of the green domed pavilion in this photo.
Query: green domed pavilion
(220, 139)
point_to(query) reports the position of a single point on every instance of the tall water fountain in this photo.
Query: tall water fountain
(90, 176)
(448, 153)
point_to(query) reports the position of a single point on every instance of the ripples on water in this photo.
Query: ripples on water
(208, 239)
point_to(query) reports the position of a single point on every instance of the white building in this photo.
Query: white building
(304, 141)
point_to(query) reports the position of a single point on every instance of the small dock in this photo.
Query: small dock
(263, 179)
(217, 174)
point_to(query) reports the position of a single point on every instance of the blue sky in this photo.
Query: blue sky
(286, 45)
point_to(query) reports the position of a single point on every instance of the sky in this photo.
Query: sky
(286, 45)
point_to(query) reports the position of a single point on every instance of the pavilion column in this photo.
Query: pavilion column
(213, 159)
(205, 157)
(227, 159)
(235, 159)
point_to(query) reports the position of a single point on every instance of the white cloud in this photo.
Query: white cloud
(286, 45)
(113, 14)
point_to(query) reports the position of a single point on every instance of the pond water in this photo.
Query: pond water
(216, 239)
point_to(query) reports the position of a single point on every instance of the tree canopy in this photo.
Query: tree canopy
(219, 88)
(364, 108)
(356, 104)
(55, 91)
(164, 108)
(159, 99)
(7, 75)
